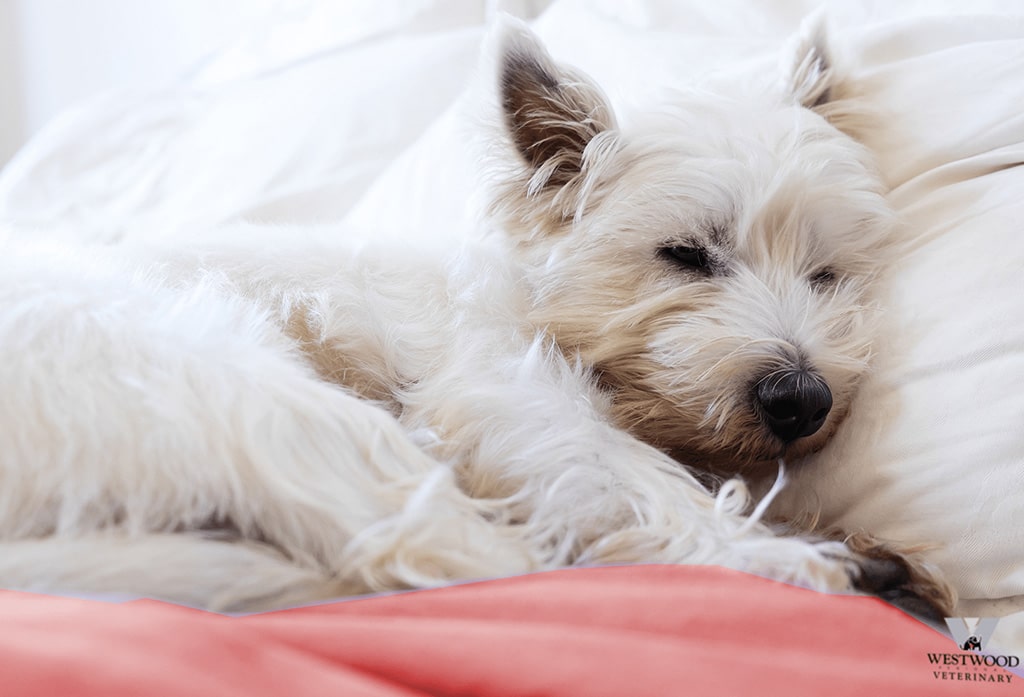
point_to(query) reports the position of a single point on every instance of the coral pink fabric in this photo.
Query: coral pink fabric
(614, 632)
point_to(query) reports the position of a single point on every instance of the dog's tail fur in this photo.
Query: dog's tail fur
(228, 576)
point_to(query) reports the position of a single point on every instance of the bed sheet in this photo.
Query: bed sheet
(602, 632)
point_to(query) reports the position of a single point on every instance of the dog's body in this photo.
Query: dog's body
(261, 421)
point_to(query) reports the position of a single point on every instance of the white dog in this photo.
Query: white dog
(267, 419)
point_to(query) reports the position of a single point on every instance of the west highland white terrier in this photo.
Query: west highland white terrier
(266, 419)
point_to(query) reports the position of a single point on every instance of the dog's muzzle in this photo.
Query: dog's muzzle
(793, 404)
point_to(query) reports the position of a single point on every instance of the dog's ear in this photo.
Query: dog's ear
(816, 81)
(812, 76)
(551, 114)
(558, 124)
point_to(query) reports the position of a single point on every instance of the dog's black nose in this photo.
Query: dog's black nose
(795, 404)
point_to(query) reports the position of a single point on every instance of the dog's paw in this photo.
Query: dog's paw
(899, 577)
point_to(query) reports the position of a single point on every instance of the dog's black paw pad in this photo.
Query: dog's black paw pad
(913, 604)
(881, 575)
(890, 578)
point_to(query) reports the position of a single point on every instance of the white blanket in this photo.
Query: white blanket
(368, 129)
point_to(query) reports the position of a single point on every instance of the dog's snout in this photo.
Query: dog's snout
(794, 404)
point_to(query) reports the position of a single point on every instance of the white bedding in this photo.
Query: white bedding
(368, 130)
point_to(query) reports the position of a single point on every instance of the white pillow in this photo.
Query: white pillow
(298, 142)
(934, 449)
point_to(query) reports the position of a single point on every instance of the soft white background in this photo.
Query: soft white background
(54, 53)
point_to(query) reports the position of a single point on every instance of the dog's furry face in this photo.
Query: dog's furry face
(693, 258)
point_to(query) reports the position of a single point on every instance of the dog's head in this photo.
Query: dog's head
(714, 264)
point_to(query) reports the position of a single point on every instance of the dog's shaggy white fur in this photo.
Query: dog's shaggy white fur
(258, 418)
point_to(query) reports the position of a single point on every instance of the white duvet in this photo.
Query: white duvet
(366, 128)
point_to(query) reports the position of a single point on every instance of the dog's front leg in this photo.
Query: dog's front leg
(530, 429)
(535, 433)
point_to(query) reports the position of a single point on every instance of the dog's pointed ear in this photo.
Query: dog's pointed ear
(550, 113)
(812, 77)
(816, 81)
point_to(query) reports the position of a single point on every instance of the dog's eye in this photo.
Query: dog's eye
(823, 278)
(690, 257)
